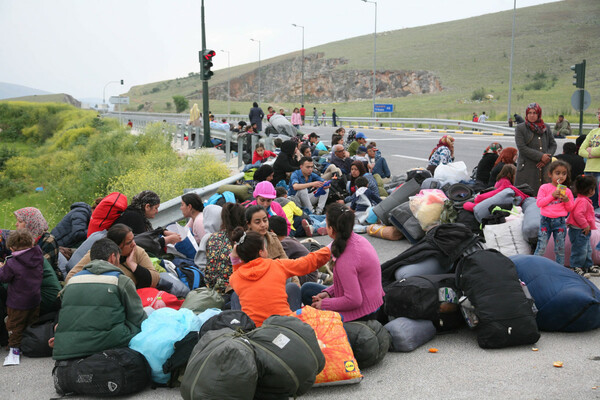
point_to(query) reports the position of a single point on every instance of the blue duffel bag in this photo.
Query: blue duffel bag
(566, 301)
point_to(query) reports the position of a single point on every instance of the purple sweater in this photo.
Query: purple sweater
(356, 289)
(23, 272)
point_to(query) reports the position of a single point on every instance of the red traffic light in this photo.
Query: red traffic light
(209, 54)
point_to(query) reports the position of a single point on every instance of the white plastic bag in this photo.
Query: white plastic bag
(427, 207)
(452, 173)
(508, 238)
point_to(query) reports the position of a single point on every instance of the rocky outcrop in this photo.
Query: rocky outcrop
(324, 81)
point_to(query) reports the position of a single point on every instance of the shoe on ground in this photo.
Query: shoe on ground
(594, 270)
(13, 357)
(308, 230)
(322, 231)
(580, 271)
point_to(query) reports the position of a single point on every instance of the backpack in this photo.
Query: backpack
(430, 297)
(189, 273)
(233, 319)
(220, 198)
(34, 342)
(489, 282)
(369, 340)
(351, 137)
(107, 212)
(115, 372)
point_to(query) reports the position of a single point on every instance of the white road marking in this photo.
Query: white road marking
(412, 158)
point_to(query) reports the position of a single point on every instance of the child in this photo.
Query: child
(364, 197)
(555, 203)
(259, 282)
(23, 271)
(301, 226)
(506, 176)
(260, 154)
(581, 221)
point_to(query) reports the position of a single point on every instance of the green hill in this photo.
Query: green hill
(466, 55)
(48, 98)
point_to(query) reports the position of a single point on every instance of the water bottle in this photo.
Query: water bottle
(468, 311)
(159, 303)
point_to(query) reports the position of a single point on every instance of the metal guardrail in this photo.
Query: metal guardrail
(169, 211)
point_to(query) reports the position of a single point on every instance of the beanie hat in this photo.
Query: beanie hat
(265, 189)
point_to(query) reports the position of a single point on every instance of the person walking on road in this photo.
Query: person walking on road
(334, 118)
(315, 117)
(302, 113)
(323, 115)
(256, 115)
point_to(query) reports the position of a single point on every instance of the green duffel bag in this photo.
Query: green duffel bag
(221, 366)
(201, 299)
(369, 340)
(380, 185)
(241, 192)
(288, 357)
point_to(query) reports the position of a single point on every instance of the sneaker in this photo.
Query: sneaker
(579, 271)
(308, 230)
(13, 357)
(322, 231)
(594, 270)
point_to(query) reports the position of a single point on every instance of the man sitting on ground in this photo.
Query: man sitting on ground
(304, 184)
(341, 159)
(360, 140)
(562, 128)
(100, 307)
(376, 164)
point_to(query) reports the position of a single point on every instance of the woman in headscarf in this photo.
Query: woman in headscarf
(536, 146)
(263, 173)
(487, 162)
(286, 162)
(507, 156)
(31, 218)
(441, 154)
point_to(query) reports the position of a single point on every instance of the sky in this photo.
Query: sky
(79, 46)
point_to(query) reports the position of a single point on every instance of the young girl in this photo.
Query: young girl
(259, 281)
(581, 221)
(506, 176)
(356, 292)
(296, 119)
(260, 154)
(554, 203)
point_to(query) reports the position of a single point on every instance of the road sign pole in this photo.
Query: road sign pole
(205, 116)
(581, 93)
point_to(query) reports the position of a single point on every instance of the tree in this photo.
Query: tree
(169, 105)
(181, 103)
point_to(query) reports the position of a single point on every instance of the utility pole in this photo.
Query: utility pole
(512, 55)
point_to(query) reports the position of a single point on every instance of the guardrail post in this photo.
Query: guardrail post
(228, 146)
(189, 136)
(253, 139)
(240, 150)
(269, 143)
(197, 138)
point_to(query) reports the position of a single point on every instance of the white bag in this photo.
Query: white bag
(507, 238)
(452, 173)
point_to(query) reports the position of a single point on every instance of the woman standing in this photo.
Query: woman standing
(487, 162)
(441, 154)
(536, 146)
(256, 115)
(356, 292)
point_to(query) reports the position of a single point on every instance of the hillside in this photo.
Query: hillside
(461, 56)
(8, 90)
(49, 98)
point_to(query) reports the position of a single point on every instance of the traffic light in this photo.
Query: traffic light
(206, 63)
(121, 81)
(579, 75)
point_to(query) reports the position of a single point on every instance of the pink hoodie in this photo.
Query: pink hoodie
(551, 207)
(582, 214)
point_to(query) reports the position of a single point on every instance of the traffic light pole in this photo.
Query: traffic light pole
(205, 109)
(581, 97)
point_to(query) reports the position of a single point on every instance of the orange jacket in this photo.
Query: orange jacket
(260, 284)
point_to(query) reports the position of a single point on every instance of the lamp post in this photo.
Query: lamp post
(300, 26)
(254, 40)
(512, 54)
(228, 83)
(374, 52)
(104, 90)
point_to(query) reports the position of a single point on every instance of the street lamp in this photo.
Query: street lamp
(254, 40)
(228, 84)
(300, 26)
(512, 53)
(104, 90)
(374, 52)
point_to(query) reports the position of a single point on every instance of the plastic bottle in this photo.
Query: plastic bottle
(468, 312)
(159, 303)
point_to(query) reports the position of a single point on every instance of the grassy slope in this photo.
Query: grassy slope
(43, 98)
(466, 55)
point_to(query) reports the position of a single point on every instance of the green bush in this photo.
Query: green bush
(181, 103)
(478, 94)
(139, 107)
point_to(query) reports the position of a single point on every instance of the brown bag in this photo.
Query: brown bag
(384, 232)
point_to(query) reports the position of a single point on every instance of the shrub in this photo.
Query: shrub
(181, 103)
(478, 94)
(140, 106)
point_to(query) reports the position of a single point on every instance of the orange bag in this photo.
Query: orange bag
(341, 367)
(150, 296)
(384, 232)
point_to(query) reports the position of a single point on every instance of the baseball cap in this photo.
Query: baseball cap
(314, 135)
(361, 149)
(360, 135)
(265, 189)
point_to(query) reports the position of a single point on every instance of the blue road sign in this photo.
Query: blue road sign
(383, 108)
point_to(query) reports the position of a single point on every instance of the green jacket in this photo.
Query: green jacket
(353, 147)
(100, 310)
(50, 289)
(591, 140)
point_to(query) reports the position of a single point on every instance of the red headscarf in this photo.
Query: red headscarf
(538, 126)
(445, 141)
(507, 156)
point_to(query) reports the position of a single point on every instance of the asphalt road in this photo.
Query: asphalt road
(460, 370)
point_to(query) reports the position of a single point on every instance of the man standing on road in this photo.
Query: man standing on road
(315, 117)
(334, 117)
(256, 115)
(302, 113)
(304, 184)
(483, 118)
(562, 128)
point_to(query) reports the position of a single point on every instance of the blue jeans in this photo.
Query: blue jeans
(581, 249)
(557, 228)
(293, 293)
(310, 289)
(381, 168)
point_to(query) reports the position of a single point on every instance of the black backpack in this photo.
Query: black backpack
(232, 319)
(431, 297)
(34, 342)
(490, 282)
(115, 372)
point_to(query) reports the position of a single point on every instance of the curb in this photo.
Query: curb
(459, 132)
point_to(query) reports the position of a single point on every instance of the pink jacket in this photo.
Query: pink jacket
(277, 210)
(582, 214)
(500, 186)
(551, 207)
(296, 119)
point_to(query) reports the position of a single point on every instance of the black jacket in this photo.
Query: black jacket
(72, 229)
(576, 162)
(285, 162)
(485, 166)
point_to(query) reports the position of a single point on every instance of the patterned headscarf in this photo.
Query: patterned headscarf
(507, 156)
(538, 126)
(445, 141)
(34, 221)
(494, 148)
